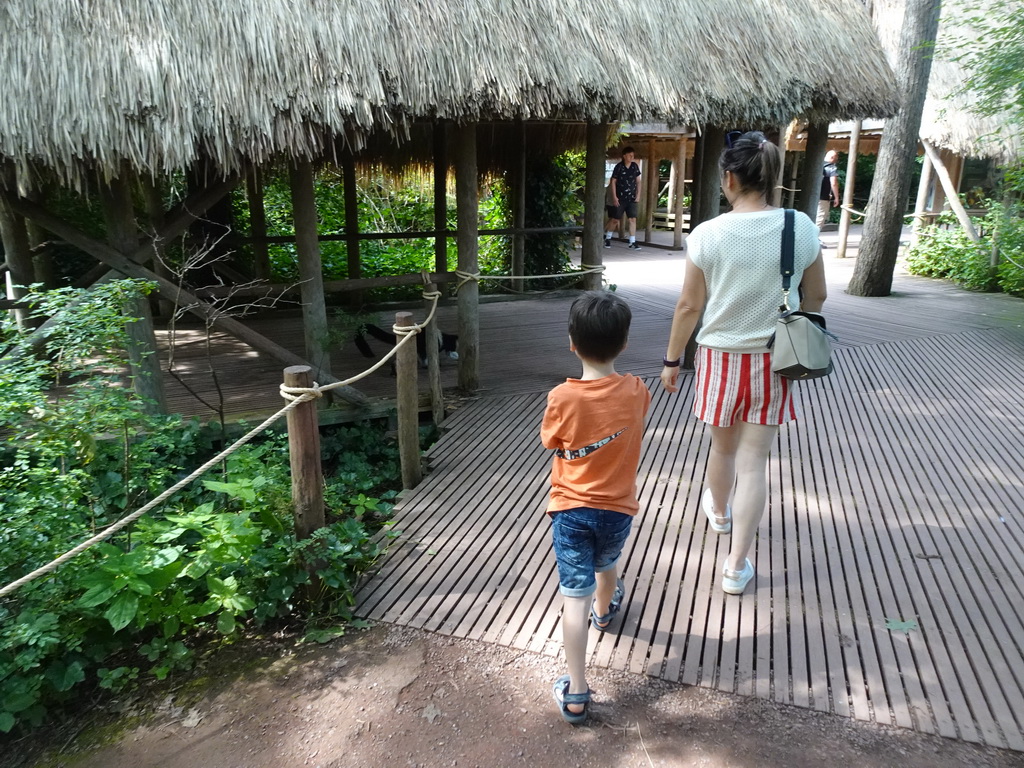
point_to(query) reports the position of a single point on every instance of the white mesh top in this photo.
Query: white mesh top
(739, 256)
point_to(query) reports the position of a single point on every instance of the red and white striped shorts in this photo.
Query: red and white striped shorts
(733, 386)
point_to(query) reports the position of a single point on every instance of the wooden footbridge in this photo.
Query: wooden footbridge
(890, 573)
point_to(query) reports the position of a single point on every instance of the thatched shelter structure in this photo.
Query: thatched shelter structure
(97, 96)
(948, 121)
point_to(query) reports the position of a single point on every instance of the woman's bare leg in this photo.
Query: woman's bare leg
(753, 445)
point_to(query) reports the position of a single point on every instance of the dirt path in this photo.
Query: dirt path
(392, 696)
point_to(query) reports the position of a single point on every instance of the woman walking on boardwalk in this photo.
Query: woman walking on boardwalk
(732, 277)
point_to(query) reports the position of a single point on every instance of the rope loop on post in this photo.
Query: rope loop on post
(302, 394)
(465, 277)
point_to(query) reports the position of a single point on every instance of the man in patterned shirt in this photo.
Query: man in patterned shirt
(623, 186)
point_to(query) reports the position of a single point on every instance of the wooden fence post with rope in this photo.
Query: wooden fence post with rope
(406, 364)
(304, 454)
(433, 347)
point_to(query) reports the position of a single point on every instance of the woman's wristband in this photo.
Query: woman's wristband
(670, 363)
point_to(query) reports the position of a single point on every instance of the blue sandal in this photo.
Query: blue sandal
(563, 698)
(601, 623)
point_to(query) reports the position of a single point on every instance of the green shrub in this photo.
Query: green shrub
(220, 555)
(947, 251)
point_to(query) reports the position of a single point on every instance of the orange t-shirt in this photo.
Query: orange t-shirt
(595, 428)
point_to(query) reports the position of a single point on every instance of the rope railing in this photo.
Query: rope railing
(465, 277)
(294, 395)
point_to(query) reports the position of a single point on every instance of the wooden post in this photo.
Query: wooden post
(21, 273)
(794, 176)
(951, 191)
(924, 187)
(851, 174)
(314, 308)
(710, 179)
(408, 407)
(304, 455)
(433, 345)
(593, 203)
(155, 214)
(814, 156)
(468, 209)
(519, 206)
(678, 192)
(257, 224)
(653, 182)
(123, 236)
(348, 172)
(440, 199)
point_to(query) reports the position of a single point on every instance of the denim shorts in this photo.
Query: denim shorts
(587, 541)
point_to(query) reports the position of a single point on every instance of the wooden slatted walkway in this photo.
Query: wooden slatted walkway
(896, 497)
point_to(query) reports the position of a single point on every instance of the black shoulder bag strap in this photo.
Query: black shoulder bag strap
(786, 265)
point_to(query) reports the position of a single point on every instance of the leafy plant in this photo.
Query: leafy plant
(79, 451)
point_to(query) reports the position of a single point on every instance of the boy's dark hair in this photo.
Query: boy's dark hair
(754, 161)
(599, 325)
(627, 150)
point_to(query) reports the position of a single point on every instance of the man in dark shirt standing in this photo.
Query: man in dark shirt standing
(623, 187)
(829, 187)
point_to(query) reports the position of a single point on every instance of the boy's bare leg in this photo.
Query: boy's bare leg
(632, 227)
(755, 443)
(575, 628)
(605, 589)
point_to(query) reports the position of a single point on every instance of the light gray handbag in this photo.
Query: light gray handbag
(800, 345)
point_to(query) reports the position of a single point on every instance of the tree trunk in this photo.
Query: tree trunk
(881, 241)
(467, 204)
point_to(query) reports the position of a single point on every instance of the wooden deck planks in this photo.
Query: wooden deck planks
(874, 481)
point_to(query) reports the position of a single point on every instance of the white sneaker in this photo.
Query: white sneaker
(708, 505)
(734, 582)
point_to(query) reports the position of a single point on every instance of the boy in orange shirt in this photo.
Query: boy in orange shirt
(595, 425)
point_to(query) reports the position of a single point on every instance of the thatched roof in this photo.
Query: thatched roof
(947, 120)
(159, 84)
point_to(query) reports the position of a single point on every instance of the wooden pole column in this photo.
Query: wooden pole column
(314, 308)
(519, 206)
(304, 456)
(355, 269)
(653, 182)
(20, 271)
(257, 224)
(593, 203)
(433, 345)
(951, 191)
(851, 178)
(678, 191)
(406, 365)
(924, 188)
(698, 174)
(710, 179)
(440, 199)
(467, 205)
(794, 176)
(155, 214)
(123, 236)
(814, 156)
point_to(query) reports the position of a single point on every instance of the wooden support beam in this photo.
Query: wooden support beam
(851, 180)
(354, 259)
(206, 312)
(810, 181)
(440, 198)
(257, 224)
(653, 182)
(123, 236)
(924, 188)
(155, 214)
(467, 202)
(678, 192)
(311, 273)
(710, 179)
(21, 273)
(593, 203)
(951, 191)
(519, 204)
(433, 346)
